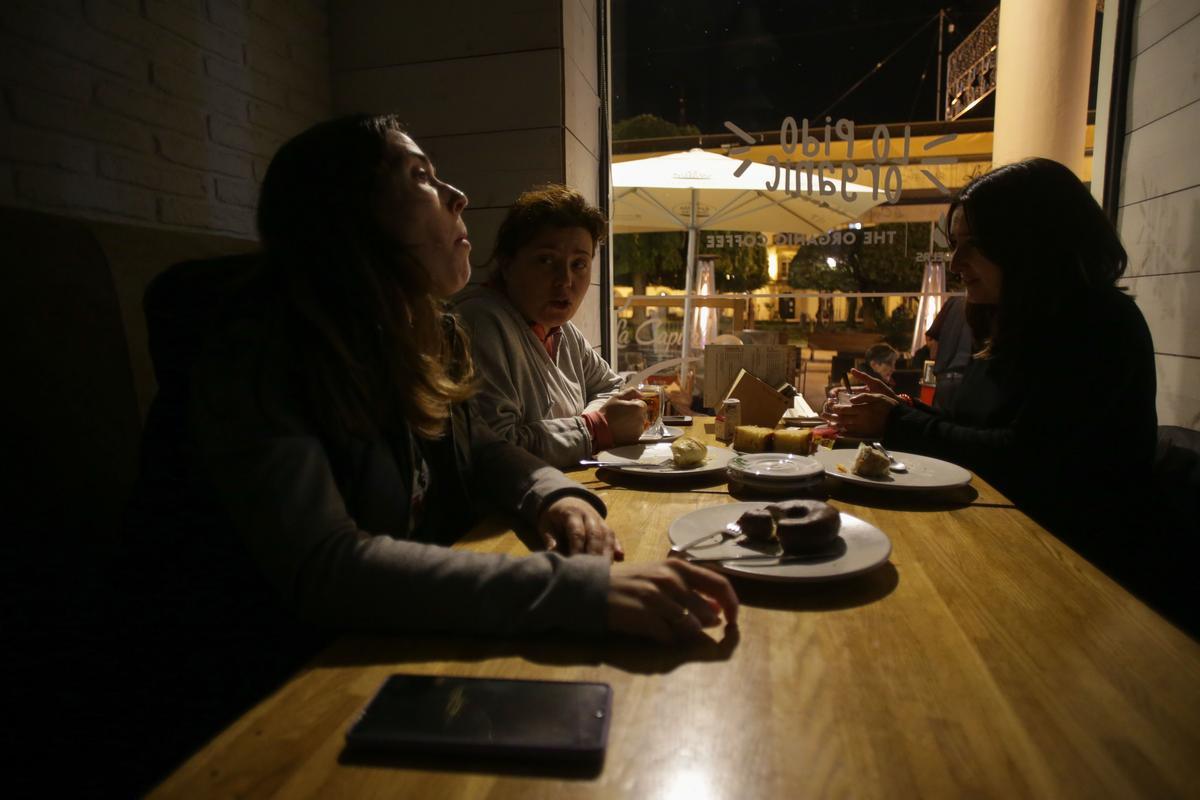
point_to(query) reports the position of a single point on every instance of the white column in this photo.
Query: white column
(1045, 59)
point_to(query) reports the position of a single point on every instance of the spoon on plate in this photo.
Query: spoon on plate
(895, 466)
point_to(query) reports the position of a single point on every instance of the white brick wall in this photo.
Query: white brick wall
(477, 78)
(160, 112)
(1159, 218)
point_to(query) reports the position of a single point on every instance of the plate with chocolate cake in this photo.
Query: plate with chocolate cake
(870, 466)
(793, 540)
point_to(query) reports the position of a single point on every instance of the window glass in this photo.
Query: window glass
(856, 121)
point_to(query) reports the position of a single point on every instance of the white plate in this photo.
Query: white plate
(777, 487)
(641, 459)
(785, 467)
(923, 472)
(669, 435)
(867, 547)
(804, 422)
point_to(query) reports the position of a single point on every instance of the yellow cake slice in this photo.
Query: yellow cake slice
(752, 439)
(793, 440)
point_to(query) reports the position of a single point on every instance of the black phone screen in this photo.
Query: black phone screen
(484, 716)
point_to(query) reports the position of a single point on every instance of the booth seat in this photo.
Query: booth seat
(80, 376)
(78, 385)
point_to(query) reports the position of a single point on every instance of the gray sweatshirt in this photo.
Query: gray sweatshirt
(527, 397)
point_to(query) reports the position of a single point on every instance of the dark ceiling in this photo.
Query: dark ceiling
(756, 61)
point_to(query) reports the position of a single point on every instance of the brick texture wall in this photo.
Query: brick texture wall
(1159, 217)
(162, 113)
(502, 95)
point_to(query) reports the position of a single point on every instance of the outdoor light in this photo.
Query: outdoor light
(831, 262)
(856, 226)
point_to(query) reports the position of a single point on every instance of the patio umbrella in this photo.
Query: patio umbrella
(697, 190)
(933, 284)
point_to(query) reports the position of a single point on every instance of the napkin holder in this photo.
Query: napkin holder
(801, 414)
(772, 363)
(761, 405)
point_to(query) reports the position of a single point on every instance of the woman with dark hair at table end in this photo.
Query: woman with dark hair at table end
(1057, 409)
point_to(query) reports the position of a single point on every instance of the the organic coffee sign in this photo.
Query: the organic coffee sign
(846, 237)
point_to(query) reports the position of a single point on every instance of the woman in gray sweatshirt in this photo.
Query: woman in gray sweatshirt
(543, 387)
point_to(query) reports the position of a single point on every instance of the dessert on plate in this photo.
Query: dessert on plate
(758, 524)
(757, 439)
(688, 452)
(752, 438)
(870, 462)
(793, 440)
(800, 526)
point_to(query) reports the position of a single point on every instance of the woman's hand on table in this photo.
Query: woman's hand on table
(873, 384)
(670, 601)
(573, 525)
(867, 415)
(626, 416)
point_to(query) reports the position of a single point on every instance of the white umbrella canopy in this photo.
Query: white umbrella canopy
(697, 190)
(657, 194)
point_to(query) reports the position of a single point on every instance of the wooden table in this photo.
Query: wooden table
(986, 659)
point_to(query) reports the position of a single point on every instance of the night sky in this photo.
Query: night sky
(757, 61)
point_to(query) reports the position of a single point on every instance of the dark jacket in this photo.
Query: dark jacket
(1068, 433)
(327, 520)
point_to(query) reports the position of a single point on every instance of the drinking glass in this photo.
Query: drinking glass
(652, 396)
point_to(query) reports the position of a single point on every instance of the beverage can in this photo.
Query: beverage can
(729, 416)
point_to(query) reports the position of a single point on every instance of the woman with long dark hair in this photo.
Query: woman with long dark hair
(334, 427)
(1057, 409)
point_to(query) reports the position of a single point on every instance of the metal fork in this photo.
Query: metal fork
(767, 559)
(665, 464)
(731, 531)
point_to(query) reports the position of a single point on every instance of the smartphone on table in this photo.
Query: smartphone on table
(436, 714)
(674, 419)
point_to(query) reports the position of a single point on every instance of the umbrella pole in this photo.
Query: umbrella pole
(933, 286)
(689, 272)
(688, 288)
